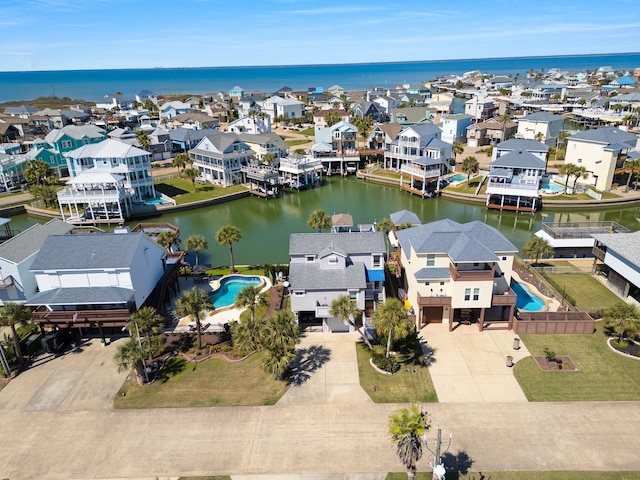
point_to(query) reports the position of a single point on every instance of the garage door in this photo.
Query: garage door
(431, 315)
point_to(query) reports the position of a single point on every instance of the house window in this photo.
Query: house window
(476, 294)
(353, 294)
(504, 259)
(467, 294)
(66, 144)
(442, 284)
(431, 259)
(333, 260)
(310, 258)
(376, 261)
(579, 160)
(427, 283)
(298, 293)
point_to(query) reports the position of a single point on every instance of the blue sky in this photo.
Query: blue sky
(90, 34)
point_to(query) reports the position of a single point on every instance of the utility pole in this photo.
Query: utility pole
(439, 470)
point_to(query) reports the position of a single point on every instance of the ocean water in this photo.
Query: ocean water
(92, 85)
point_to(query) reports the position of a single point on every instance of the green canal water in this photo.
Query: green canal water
(266, 224)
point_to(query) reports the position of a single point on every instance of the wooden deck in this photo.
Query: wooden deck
(511, 208)
(415, 191)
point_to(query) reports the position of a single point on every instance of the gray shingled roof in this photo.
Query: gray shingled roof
(542, 117)
(468, 242)
(432, 273)
(28, 242)
(263, 138)
(523, 144)
(309, 276)
(181, 134)
(83, 296)
(625, 245)
(519, 159)
(405, 216)
(80, 252)
(608, 136)
(348, 242)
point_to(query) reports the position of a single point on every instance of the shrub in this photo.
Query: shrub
(390, 364)
(549, 354)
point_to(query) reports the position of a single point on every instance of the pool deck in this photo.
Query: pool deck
(218, 317)
(553, 305)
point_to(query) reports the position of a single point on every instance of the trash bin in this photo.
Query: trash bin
(516, 343)
(509, 361)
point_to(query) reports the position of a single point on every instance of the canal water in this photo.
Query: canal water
(266, 224)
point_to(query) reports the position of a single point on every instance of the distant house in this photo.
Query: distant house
(454, 127)
(324, 266)
(22, 111)
(146, 95)
(480, 108)
(456, 272)
(195, 121)
(319, 120)
(17, 283)
(368, 109)
(219, 158)
(236, 92)
(620, 260)
(409, 115)
(253, 124)
(286, 108)
(601, 151)
(490, 132)
(172, 109)
(545, 125)
(183, 139)
(63, 140)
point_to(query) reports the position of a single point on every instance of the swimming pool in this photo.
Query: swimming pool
(527, 300)
(553, 187)
(458, 177)
(230, 286)
(154, 201)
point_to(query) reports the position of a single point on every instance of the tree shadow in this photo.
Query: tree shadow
(172, 367)
(307, 361)
(457, 464)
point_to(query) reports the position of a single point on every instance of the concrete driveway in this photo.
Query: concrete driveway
(470, 366)
(85, 379)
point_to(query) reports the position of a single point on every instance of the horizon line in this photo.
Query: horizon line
(332, 64)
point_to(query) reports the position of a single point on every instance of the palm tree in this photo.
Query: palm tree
(458, 148)
(251, 297)
(625, 320)
(279, 335)
(38, 172)
(631, 166)
(167, 239)
(391, 319)
(331, 118)
(128, 355)
(364, 127)
(579, 171)
(504, 119)
(143, 139)
(180, 161)
(146, 321)
(385, 226)
(319, 219)
(536, 248)
(247, 335)
(197, 243)
(192, 303)
(567, 169)
(191, 174)
(227, 235)
(470, 165)
(344, 308)
(407, 427)
(539, 136)
(12, 314)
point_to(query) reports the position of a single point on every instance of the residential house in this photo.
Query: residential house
(454, 272)
(145, 96)
(490, 132)
(17, 283)
(94, 282)
(601, 151)
(219, 158)
(619, 259)
(336, 90)
(416, 141)
(382, 135)
(12, 166)
(386, 103)
(480, 108)
(22, 111)
(409, 115)
(172, 109)
(454, 127)
(300, 171)
(541, 126)
(263, 143)
(12, 128)
(183, 139)
(194, 121)
(441, 103)
(534, 147)
(63, 140)
(236, 92)
(324, 266)
(368, 109)
(114, 101)
(286, 108)
(319, 116)
(253, 124)
(337, 147)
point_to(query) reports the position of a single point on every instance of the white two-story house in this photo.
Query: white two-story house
(324, 266)
(455, 272)
(542, 126)
(220, 158)
(336, 146)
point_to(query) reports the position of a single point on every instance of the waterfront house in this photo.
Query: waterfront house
(540, 124)
(534, 147)
(183, 139)
(324, 266)
(300, 171)
(219, 158)
(381, 135)
(17, 283)
(619, 259)
(96, 281)
(236, 92)
(63, 140)
(414, 142)
(454, 272)
(145, 96)
(454, 127)
(12, 167)
(601, 151)
(336, 146)
(263, 143)
(22, 111)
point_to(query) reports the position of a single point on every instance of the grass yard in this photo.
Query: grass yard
(527, 476)
(603, 375)
(240, 270)
(402, 387)
(387, 174)
(294, 142)
(469, 189)
(214, 382)
(589, 294)
(181, 190)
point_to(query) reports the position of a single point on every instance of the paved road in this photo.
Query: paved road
(56, 424)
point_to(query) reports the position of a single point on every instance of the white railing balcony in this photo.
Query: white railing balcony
(512, 186)
(420, 172)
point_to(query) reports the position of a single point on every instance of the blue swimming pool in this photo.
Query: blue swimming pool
(230, 286)
(553, 187)
(458, 177)
(527, 300)
(155, 201)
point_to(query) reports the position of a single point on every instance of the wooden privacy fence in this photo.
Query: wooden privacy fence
(553, 322)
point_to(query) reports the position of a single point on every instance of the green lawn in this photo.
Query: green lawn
(468, 188)
(411, 384)
(241, 270)
(387, 174)
(528, 476)
(309, 132)
(603, 374)
(589, 294)
(214, 382)
(293, 142)
(181, 190)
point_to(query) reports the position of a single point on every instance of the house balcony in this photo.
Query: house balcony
(420, 172)
(515, 189)
(72, 194)
(599, 252)
(486, 273)
(507, 298)
(434, 301)
(118, 317)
